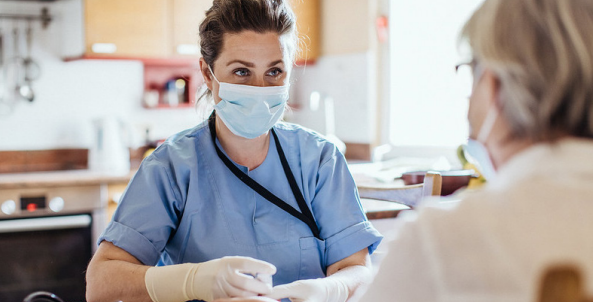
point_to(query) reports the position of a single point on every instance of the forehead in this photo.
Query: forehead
(251, 46)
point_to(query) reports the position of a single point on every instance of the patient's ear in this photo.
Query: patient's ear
(492, 85)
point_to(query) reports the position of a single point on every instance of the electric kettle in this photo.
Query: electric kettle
(110, 151)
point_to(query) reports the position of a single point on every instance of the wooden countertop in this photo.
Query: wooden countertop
(374, 209)
(60, 178)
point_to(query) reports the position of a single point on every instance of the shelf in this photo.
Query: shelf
(165, 62)
(165, 106)
(158, 71)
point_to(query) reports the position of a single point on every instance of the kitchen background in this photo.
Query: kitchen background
(71, 94)
(387, 72)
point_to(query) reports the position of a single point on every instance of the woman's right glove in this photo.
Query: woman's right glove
(219, 278)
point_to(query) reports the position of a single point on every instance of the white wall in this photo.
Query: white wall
(345, 79)
(429, 104)
(70, 95)
(346, 72)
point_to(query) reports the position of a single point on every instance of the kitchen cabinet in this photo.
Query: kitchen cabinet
(138, 28)
(187, 16)
(143, 28)
(169, 28)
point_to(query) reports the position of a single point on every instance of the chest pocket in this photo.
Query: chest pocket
(313, 264)
(254, 221)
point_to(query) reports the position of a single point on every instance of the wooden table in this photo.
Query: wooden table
(381, 209)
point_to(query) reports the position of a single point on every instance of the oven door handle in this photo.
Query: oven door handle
(44, 223)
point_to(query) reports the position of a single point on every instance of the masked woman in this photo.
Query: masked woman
(218, 209)
(531, 120)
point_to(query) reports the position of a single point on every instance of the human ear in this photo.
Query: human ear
(206, 73)
(492, 87)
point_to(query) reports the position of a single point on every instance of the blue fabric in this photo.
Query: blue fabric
(184, 205)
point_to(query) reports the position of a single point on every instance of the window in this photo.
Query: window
(428, 106)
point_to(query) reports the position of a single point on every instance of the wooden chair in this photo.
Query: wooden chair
(562, 284)
(408, 195)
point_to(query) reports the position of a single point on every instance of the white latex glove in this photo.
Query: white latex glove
(313, 290)
(250, 299)
(219, 278)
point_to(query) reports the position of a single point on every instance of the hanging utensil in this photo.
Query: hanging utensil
(4, 107)
(15, 65)
(12, 76)
(31, 68)
(1, 48)
(2, 79)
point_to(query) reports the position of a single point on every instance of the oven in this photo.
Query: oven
(47, 237)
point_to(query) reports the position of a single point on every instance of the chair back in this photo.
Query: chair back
(409, 195)
(562, 284)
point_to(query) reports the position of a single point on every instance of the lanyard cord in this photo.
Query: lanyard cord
(305, 215)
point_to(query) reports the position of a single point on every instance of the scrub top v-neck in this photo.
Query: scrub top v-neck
(303, 215)
(184, 205)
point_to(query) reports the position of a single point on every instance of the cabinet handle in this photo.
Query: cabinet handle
(188, 49)
(104, 48)
(44, 223)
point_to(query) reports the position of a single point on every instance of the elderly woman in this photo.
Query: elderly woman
(531, 114)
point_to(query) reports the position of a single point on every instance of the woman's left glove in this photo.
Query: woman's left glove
(313, 290)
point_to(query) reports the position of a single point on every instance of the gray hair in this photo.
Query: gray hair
(542, 53)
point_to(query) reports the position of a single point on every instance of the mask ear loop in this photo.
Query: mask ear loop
(488, 124)
(492, 114)
(213, 115)
(212, 73)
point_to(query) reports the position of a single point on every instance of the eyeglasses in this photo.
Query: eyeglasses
(471, 64)
(465, 76)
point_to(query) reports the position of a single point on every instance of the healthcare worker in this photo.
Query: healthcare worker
(242, 201)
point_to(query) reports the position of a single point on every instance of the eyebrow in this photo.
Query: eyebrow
(275, 62)
(248, 64)
(240, 62)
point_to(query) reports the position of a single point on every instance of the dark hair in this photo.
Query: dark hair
(234, 16)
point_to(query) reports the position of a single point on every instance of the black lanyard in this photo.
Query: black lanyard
(305, 215)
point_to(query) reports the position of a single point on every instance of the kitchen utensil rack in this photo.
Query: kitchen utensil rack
(45, 18)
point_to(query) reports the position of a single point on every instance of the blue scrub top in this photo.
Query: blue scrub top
(184, 205)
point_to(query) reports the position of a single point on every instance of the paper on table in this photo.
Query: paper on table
(387, 171)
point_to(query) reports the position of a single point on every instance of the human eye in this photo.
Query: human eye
(275, 72)
(241, 72)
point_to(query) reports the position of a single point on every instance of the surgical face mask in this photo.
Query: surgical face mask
(475, 147)
(250, 111)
